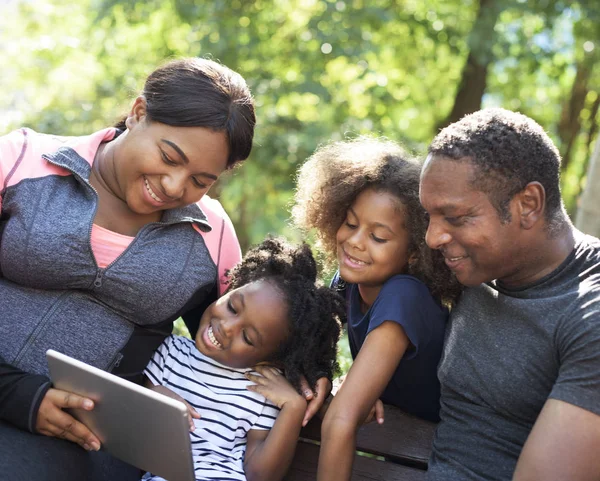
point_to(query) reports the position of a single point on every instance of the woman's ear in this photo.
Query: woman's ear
(531, 203)
(137, 114)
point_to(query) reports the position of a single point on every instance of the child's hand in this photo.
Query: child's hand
(317, 399)
(275, 387)
(376, 413)
(192, 413)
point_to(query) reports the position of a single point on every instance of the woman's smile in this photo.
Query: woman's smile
(159, 201)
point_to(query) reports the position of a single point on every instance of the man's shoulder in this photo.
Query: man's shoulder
(587, 247)
(587, 255)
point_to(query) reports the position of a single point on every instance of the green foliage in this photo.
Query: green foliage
(319, 69)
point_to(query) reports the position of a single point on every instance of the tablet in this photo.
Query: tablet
(139, 426)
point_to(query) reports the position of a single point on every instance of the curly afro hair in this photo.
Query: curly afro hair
(331, 179)
(315, 313)
(509, 150)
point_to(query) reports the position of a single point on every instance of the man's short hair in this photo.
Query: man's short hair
(509, 150)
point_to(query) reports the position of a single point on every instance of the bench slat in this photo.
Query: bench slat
(304, 467)
(402, 437)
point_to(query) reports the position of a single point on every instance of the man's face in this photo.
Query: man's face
(465, 226)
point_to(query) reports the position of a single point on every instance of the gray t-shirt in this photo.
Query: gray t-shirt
(506, 352)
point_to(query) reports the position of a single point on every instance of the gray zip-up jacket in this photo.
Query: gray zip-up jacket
(53, 295)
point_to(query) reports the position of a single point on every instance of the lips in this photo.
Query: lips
(153, 194)
(351, 261)
(210, 335)
(453, 262)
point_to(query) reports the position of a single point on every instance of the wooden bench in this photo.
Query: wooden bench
(400, 449)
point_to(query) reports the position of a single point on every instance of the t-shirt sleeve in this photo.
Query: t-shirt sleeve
(156, 367)
(267, 417)
(578, 338)
(407, 302)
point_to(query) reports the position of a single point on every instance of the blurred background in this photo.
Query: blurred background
(319, 69)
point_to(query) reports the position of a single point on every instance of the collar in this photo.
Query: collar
(68, 158)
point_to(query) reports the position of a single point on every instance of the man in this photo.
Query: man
(520, 371)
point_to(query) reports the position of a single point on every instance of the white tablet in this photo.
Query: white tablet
(139, 426)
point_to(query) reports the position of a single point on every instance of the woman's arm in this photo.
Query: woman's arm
(270, 453)
(29, 402)
(20, 395)
(370, 373)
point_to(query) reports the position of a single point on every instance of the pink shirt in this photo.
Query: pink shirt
(108, 245)
(222, 242)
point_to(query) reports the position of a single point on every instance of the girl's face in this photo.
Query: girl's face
(159, 166)
(372, 242)
(245, 326)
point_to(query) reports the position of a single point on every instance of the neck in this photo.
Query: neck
(541, 257)
(103, 168)
(368, 294)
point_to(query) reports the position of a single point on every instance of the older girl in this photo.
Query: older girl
(362, 197)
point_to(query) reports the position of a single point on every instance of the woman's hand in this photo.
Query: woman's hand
(192, 413)
(315, 399)
(274, 386)
(53, 421)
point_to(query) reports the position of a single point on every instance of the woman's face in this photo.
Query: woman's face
(245, 326)
(158, 166)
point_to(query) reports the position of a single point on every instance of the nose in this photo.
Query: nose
(356, 239)
(173, 184)
(436, 236)
(230, 326)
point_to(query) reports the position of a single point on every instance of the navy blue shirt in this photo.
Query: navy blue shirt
(404, 299)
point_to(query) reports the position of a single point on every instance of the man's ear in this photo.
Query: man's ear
(531, 203)
(137, 113)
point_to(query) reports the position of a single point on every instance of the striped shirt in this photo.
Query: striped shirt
(228, 410)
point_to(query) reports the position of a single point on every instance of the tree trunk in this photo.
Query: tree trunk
(570, 125)
(593, 130)
(474, 75)
(588, 213)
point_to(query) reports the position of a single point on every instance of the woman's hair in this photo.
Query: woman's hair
(332, 178)
(315, 312)
(197, 92)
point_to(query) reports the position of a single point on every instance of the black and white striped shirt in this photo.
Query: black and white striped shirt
(228, 410)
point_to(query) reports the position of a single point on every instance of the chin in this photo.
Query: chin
(349, 276)
(471, 280)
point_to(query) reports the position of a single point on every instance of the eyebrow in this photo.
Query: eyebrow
(186, 161)
(375, 224)
(383, 226)
(258, 335)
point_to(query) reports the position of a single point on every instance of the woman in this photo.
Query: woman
(104, 242)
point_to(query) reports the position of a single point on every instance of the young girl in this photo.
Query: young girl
(362, 197)
(273, 312)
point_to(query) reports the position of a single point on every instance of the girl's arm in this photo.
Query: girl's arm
(270, 453)
(370, 373)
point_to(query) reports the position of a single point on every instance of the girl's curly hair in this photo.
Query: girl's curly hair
(331, 179)
(315, 312)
